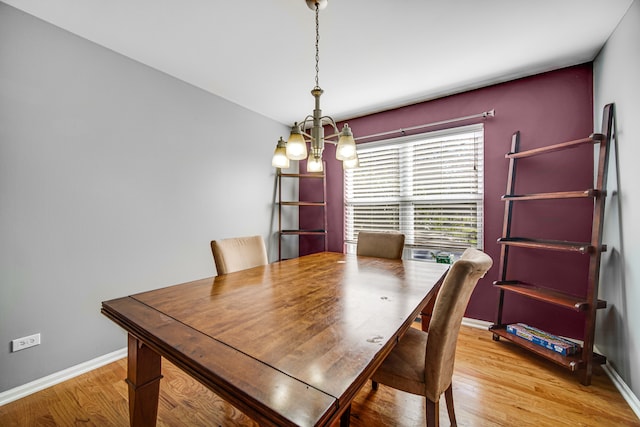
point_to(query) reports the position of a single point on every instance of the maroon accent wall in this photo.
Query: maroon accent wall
(547, 108)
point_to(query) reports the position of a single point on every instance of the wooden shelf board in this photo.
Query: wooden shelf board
(594, 138)
(548, 295)
(556, 195)
(556, 245)
(298, 232)
(302, 175)
(573, 363)
(303, 203)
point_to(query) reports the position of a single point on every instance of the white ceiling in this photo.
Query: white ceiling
(374, 54)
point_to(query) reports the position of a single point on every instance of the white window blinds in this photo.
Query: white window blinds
(428, 186)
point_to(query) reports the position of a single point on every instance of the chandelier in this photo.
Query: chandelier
(295, 148)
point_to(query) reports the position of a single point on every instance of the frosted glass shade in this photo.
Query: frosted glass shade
(346, 149)
(280, 159)
(314, 164)
(351, 163)
(296, 147)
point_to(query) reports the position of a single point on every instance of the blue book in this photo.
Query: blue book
(544, 339)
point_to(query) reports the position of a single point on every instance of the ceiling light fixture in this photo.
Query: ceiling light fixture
(296, 147)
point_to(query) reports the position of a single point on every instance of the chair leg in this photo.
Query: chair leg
(433, 413)
(374, 385)
(448, 397)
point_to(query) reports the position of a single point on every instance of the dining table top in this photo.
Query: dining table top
(289, 343)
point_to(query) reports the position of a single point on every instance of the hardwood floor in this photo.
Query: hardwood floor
(495, 384)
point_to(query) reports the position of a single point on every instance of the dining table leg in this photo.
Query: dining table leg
(427, 311)
(143, 378)
(425, 315)
(345, 418)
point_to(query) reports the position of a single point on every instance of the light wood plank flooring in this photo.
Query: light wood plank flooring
(495, 384)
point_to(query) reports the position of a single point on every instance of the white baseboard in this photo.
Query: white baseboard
(58, 377)
(475, 323)
(623, 388)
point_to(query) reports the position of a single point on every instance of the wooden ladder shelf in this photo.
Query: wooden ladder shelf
(319, 204)
(587, 303)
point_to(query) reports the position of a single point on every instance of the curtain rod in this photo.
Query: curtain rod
(485, 114)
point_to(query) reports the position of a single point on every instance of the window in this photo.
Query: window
(427, 186)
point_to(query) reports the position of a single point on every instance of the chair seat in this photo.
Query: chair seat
(403, 369)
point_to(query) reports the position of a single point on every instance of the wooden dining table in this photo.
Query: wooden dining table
(289, 343)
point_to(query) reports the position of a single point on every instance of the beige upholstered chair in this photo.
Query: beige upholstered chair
(238, 253)
(380, 244)
(422, 363)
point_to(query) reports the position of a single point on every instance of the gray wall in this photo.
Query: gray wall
(616, 79)
(114, 178)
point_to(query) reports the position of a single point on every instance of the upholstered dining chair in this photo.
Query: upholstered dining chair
(422, 362)
(238, 253)
(380, 244)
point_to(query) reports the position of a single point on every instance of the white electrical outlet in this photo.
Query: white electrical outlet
(25, 342)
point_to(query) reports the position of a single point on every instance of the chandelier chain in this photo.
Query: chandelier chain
(317, 43)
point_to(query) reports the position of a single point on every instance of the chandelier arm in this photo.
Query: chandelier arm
(304, 122)
(331, 122)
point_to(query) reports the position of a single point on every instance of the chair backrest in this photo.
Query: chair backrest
(238, 253)
(446, 318)
(380, 244)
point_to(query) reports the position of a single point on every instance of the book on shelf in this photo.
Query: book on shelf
(544, 339)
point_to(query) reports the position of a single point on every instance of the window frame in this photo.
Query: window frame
(406, 200)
